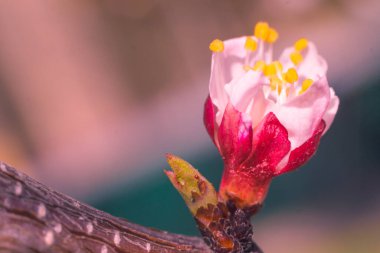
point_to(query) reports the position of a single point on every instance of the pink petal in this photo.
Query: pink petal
(226, 66)
(260, 107)
(331, 110)
(233, 57)
(217, 81)
(285, 58)
(243, 90)
(303, 153)
(313, 65)
(234, 136)
(270, 145)
(209, 118)
(302, 114)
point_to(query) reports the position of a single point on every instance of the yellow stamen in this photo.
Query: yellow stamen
(279, 88)
(291, 75)
(272, 85)
(270, 70)
(261, 30)
(305, 85)
(287, 91)
(301, 44)
(259, 65)
(296, 57)
(272, 35)
(246, 68)
(275, 82)
(278, 66)
(250, 44)
(216, 46)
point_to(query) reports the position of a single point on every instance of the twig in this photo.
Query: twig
(35, 218)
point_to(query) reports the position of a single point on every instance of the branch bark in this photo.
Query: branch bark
(35, 218)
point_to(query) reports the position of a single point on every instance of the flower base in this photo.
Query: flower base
(226, 228)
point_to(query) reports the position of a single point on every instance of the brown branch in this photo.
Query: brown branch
(35, 218)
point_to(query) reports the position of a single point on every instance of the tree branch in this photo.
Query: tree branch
(35, 218)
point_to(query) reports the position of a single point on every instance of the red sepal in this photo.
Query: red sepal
(234, 137)
(270, 145)
(303, 153)
(247, 183)
(209, 118)
(242, 189)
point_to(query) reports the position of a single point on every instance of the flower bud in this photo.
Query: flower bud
(266, 116)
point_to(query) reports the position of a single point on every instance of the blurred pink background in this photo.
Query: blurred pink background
(95, 92)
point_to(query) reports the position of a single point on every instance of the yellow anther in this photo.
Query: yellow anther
(272, 35)
(278, 66)
(250, 44)
(291, 75)
(270, 70)
(296, 57)
(301, 44)
(261, 30)
(305, 85)
(217, 46)
(259, 65)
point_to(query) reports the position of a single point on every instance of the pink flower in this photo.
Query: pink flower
(265, 117)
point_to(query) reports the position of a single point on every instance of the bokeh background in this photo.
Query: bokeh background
(94, 93)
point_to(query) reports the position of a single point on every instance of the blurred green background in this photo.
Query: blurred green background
(94, 93)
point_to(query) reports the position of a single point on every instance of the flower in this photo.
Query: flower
(265, 116)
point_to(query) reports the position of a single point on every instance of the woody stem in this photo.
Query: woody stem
(227, 229)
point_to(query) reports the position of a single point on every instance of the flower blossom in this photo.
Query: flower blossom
(265, 116)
